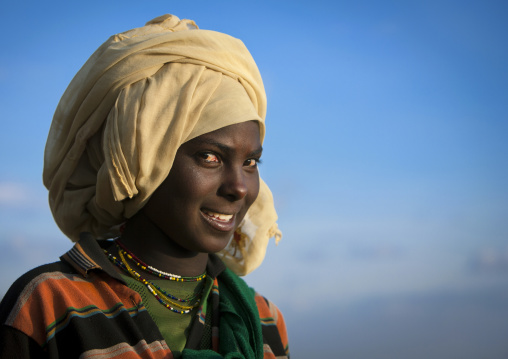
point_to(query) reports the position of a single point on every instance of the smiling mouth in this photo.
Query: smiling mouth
(219, 221)
(218, 216)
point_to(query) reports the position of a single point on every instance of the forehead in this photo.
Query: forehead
(237, 135)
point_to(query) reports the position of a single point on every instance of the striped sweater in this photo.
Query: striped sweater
(80, 307)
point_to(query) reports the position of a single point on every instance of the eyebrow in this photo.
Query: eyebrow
(226, 148)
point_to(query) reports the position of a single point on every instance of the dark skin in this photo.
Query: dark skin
(195, 211)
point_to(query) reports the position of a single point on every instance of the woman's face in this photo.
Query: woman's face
(213, 182)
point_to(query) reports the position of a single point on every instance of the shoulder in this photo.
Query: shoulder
(23, 306)
(29, 282)
(275, 338)
(42, 295)
(273, 326)
(42, 302)
(269, 313)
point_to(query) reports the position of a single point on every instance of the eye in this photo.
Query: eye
(209, 157)
(252, 162)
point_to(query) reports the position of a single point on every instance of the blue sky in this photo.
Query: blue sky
(386, 152)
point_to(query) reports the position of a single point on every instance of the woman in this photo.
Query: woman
(155, 143)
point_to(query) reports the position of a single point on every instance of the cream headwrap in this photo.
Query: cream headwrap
(117, 128)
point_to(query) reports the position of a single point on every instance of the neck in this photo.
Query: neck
(143, 238)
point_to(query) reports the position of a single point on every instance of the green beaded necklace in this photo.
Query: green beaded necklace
(168, 300)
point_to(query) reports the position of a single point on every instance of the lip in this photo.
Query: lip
(215, 223)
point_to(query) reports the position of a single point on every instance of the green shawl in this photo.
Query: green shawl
(240, 334)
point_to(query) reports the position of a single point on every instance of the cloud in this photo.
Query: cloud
(490, 260)
(438, 324)
(380, 250)
(22, 196)
(13, 194)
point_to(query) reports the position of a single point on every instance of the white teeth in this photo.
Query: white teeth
(222, 217)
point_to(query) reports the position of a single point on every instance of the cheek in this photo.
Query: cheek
(190, 185)
(253, 190)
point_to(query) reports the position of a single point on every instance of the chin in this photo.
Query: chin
(215, 245)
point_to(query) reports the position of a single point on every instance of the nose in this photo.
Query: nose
(234, 184)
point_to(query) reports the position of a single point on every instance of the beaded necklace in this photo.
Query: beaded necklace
(155, 271)
(168, 300)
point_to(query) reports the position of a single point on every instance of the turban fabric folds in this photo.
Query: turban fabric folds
(119, 124)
